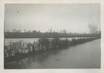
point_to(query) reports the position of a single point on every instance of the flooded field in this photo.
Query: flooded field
(86, 55)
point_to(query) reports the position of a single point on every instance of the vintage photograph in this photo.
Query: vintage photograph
(52, 36)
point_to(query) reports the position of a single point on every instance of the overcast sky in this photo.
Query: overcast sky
(58, 17)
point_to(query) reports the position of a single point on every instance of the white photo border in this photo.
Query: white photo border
(2, 70)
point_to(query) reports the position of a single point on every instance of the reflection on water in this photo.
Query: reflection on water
(37, 60)
(86, 55)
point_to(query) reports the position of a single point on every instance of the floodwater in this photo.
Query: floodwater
(86, 55)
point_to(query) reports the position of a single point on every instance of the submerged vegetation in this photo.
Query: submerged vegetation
(20, 49)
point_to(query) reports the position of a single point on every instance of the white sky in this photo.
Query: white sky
(58, 17)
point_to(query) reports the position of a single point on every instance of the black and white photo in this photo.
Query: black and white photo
(52, 36)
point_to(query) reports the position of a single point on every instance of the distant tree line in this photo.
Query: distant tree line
(38, 34)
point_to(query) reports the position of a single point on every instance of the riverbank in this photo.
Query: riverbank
(19, 50)
(86, 55)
